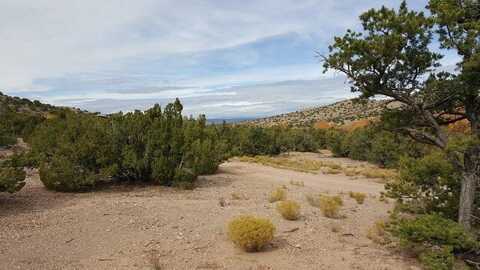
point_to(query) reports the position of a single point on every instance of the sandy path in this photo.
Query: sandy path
(123, 227)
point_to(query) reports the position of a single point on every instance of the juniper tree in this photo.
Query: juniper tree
(392, 57)
(12, 176)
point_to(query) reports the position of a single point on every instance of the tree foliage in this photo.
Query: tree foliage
(392, 57)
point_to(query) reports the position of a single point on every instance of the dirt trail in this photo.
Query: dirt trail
(125, 227)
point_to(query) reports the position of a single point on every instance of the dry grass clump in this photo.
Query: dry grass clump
(379, 173)
(358, 196)
(285, 163)
(301, 165)
(279, 194)
(290, 210)
(329, 205)
(251, 233)
(238, 196)
(325, 166)
(314, 200)
(332, 165)
(297, 183)
(328, 170)
(372, 172)
(377, 233)
(351, 172)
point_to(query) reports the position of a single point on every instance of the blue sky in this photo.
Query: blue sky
(227, 59)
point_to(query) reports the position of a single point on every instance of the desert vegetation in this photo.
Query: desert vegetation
(251, 233)
(424, 140)
(290, 210)
(279, 194)
(359, 197)
(430, 101)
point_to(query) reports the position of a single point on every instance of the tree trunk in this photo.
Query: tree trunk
(470, 181)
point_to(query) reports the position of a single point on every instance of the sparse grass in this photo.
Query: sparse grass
(285, 163)
(313, 200)
(329, 205)
(238, 196)
(279, 194)
(379, 173)
(251, 233)
(369, 171)
(377, 233)
(358, 196)
(301, 165)
(290, 210)
(297, 183)
(324, 166)
(154, 260)
(337, 199)
(328, 170)
(350, 172)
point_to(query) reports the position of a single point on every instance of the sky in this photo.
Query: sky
(227, 59)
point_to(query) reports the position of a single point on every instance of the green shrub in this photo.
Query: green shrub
(289, 210)
(439, 258)
(426, 185)
(61, 174)
(434, 230)
(12, 179)
(251, 233)
(184, 178)
(7, 139)
(435, 239)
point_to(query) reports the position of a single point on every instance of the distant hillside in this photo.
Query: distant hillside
(28, 107)
(339, 113)
(23, 105)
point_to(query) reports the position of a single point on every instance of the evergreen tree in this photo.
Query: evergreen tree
(392, 57)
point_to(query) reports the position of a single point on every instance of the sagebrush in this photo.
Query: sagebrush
(251, 233)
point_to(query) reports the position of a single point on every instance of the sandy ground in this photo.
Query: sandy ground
(129, 227)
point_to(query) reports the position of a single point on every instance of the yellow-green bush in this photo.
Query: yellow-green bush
(378, 234)
(251, 233)
(358, 196)
(279, 194)
(330, 205)
(314, 200)
(289, 210)
(338, 199)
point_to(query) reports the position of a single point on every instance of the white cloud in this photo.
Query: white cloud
(52, 38)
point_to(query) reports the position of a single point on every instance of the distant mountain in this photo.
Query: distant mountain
(339, 113)
(229, 120)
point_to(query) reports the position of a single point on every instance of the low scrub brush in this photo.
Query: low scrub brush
(358, 196)
(279, 194)
(251, 233)
(289, 210)
(329, 205)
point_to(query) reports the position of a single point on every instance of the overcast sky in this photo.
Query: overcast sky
(227, 59)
